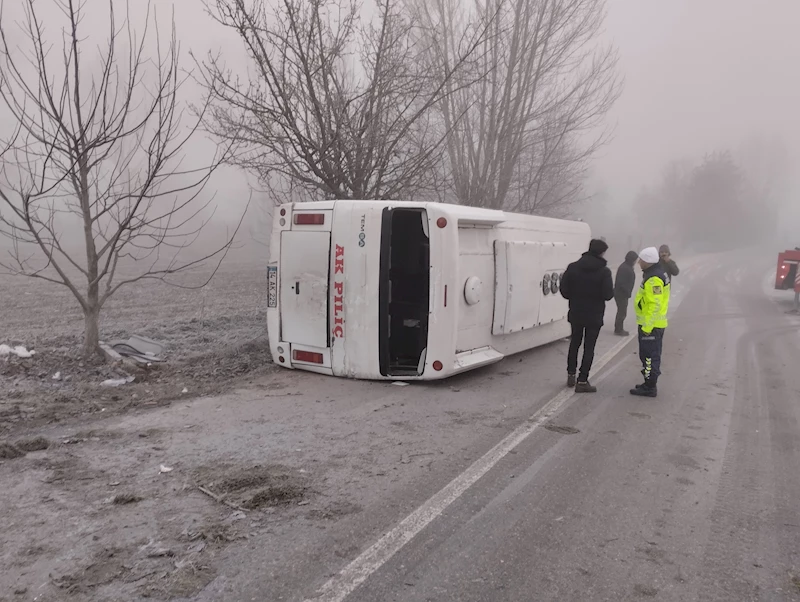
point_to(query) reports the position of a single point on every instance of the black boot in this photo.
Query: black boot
(585, 387)
(648, 389)
(570, 380)
(622, 333)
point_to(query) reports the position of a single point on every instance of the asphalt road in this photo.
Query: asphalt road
(691, 496)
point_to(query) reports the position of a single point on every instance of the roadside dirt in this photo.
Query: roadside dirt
(104, 515)
(95, 513)
(32, 397)
(215, 340)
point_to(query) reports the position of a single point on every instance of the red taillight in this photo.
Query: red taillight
(307, 356)
(437, 365)
(309, 219)
(283, 211)
(441, 222)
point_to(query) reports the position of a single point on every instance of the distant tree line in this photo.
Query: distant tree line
(727, 200)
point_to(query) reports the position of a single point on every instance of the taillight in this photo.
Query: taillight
(307, 356)
(437, 365)
(309, 219)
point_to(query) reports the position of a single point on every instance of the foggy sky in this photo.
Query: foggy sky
(700, 75)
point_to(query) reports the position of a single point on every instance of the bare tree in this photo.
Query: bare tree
(550, 176)
(337, 108)
(516, 139)
(98, 144)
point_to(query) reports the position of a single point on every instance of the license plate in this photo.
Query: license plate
(272, 286)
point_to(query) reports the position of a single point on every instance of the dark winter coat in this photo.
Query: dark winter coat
(626, 278)
(670, 267)
(587, 285)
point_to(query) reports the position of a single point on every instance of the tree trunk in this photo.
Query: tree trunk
(91, 335)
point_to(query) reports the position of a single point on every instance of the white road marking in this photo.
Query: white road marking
(355, 573)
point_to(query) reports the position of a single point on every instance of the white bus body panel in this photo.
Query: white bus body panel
(503, 257)
(354, 343)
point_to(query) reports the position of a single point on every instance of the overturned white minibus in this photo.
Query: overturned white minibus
(413, 291)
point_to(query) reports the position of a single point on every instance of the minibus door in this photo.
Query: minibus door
(305, 262)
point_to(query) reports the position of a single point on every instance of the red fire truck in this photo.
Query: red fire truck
(788, 274)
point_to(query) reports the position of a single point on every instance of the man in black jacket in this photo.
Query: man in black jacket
(623, 289)
(587, 285)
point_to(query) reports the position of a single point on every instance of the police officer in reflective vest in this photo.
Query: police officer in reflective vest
(651, 305)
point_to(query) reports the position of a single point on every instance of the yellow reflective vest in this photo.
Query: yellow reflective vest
(652, 299)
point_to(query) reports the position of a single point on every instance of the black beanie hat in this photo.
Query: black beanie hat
(598, 247)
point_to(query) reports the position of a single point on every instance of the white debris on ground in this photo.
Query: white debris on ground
(19, 351)
(138, 348)
(118, 382)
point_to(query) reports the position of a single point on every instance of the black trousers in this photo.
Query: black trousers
(588, 336)
(650, 346)
(622, 312)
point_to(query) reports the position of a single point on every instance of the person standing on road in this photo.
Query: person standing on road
(587, 285)
(652, 304)
(623, 289)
